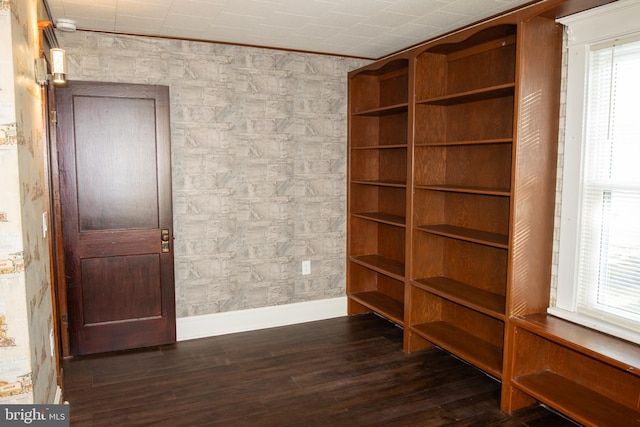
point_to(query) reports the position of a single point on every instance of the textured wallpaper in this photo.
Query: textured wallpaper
(259, 142)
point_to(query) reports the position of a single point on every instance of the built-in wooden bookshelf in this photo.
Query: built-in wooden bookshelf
(590, 376)
(463, 147)
(451, 203)
(377, 193)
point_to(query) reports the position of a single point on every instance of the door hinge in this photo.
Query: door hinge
(65, 318)
(54, 116)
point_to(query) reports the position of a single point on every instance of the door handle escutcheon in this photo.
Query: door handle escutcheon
(164, 240)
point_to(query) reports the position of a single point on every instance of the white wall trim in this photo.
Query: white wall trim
(612, 20)
(57, 399)
(210, 325)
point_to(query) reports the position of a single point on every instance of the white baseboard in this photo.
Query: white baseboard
(210, 325)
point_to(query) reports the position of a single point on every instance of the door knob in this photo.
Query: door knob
(164, 237)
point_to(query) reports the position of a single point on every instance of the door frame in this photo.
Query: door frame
(59, 287)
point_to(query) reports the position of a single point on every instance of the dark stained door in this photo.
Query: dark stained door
(115, 192)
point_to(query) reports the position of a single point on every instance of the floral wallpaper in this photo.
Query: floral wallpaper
(27, 365)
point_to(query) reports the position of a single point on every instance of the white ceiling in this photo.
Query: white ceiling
(361, 28)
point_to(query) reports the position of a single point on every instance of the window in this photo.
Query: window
(599, 261)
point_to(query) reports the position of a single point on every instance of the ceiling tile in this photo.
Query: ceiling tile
(366, 30)
(250, 8)
(360, 8)
(362, 28)
(103, 11)
(188, 22)
(136, 24)
(238, 21)
(389, 19)
(134, 8)
(311, 8)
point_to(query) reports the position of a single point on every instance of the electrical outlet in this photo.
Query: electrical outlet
(306, 267)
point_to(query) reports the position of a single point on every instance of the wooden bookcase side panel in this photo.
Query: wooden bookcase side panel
(594, 375)
(486, 165)
(374, 238)
(372, 198)
(379, 165)
(535, 159)
(480, 266)
(475, 211)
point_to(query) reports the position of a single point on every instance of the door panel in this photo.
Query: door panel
(106, 280)
(115, 190)
(124, 196)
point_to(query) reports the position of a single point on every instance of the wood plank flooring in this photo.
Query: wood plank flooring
(348, 371)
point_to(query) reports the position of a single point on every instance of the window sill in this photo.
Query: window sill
(596, 325)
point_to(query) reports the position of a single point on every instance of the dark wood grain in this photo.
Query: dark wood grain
(348, 371)
(114, 171)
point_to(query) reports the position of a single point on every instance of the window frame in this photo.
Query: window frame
(613, 21)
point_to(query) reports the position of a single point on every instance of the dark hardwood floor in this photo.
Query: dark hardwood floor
(349, 371)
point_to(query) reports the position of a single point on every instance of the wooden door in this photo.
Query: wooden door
(113, 147)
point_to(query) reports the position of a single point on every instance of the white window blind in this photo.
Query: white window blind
(608, 267)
